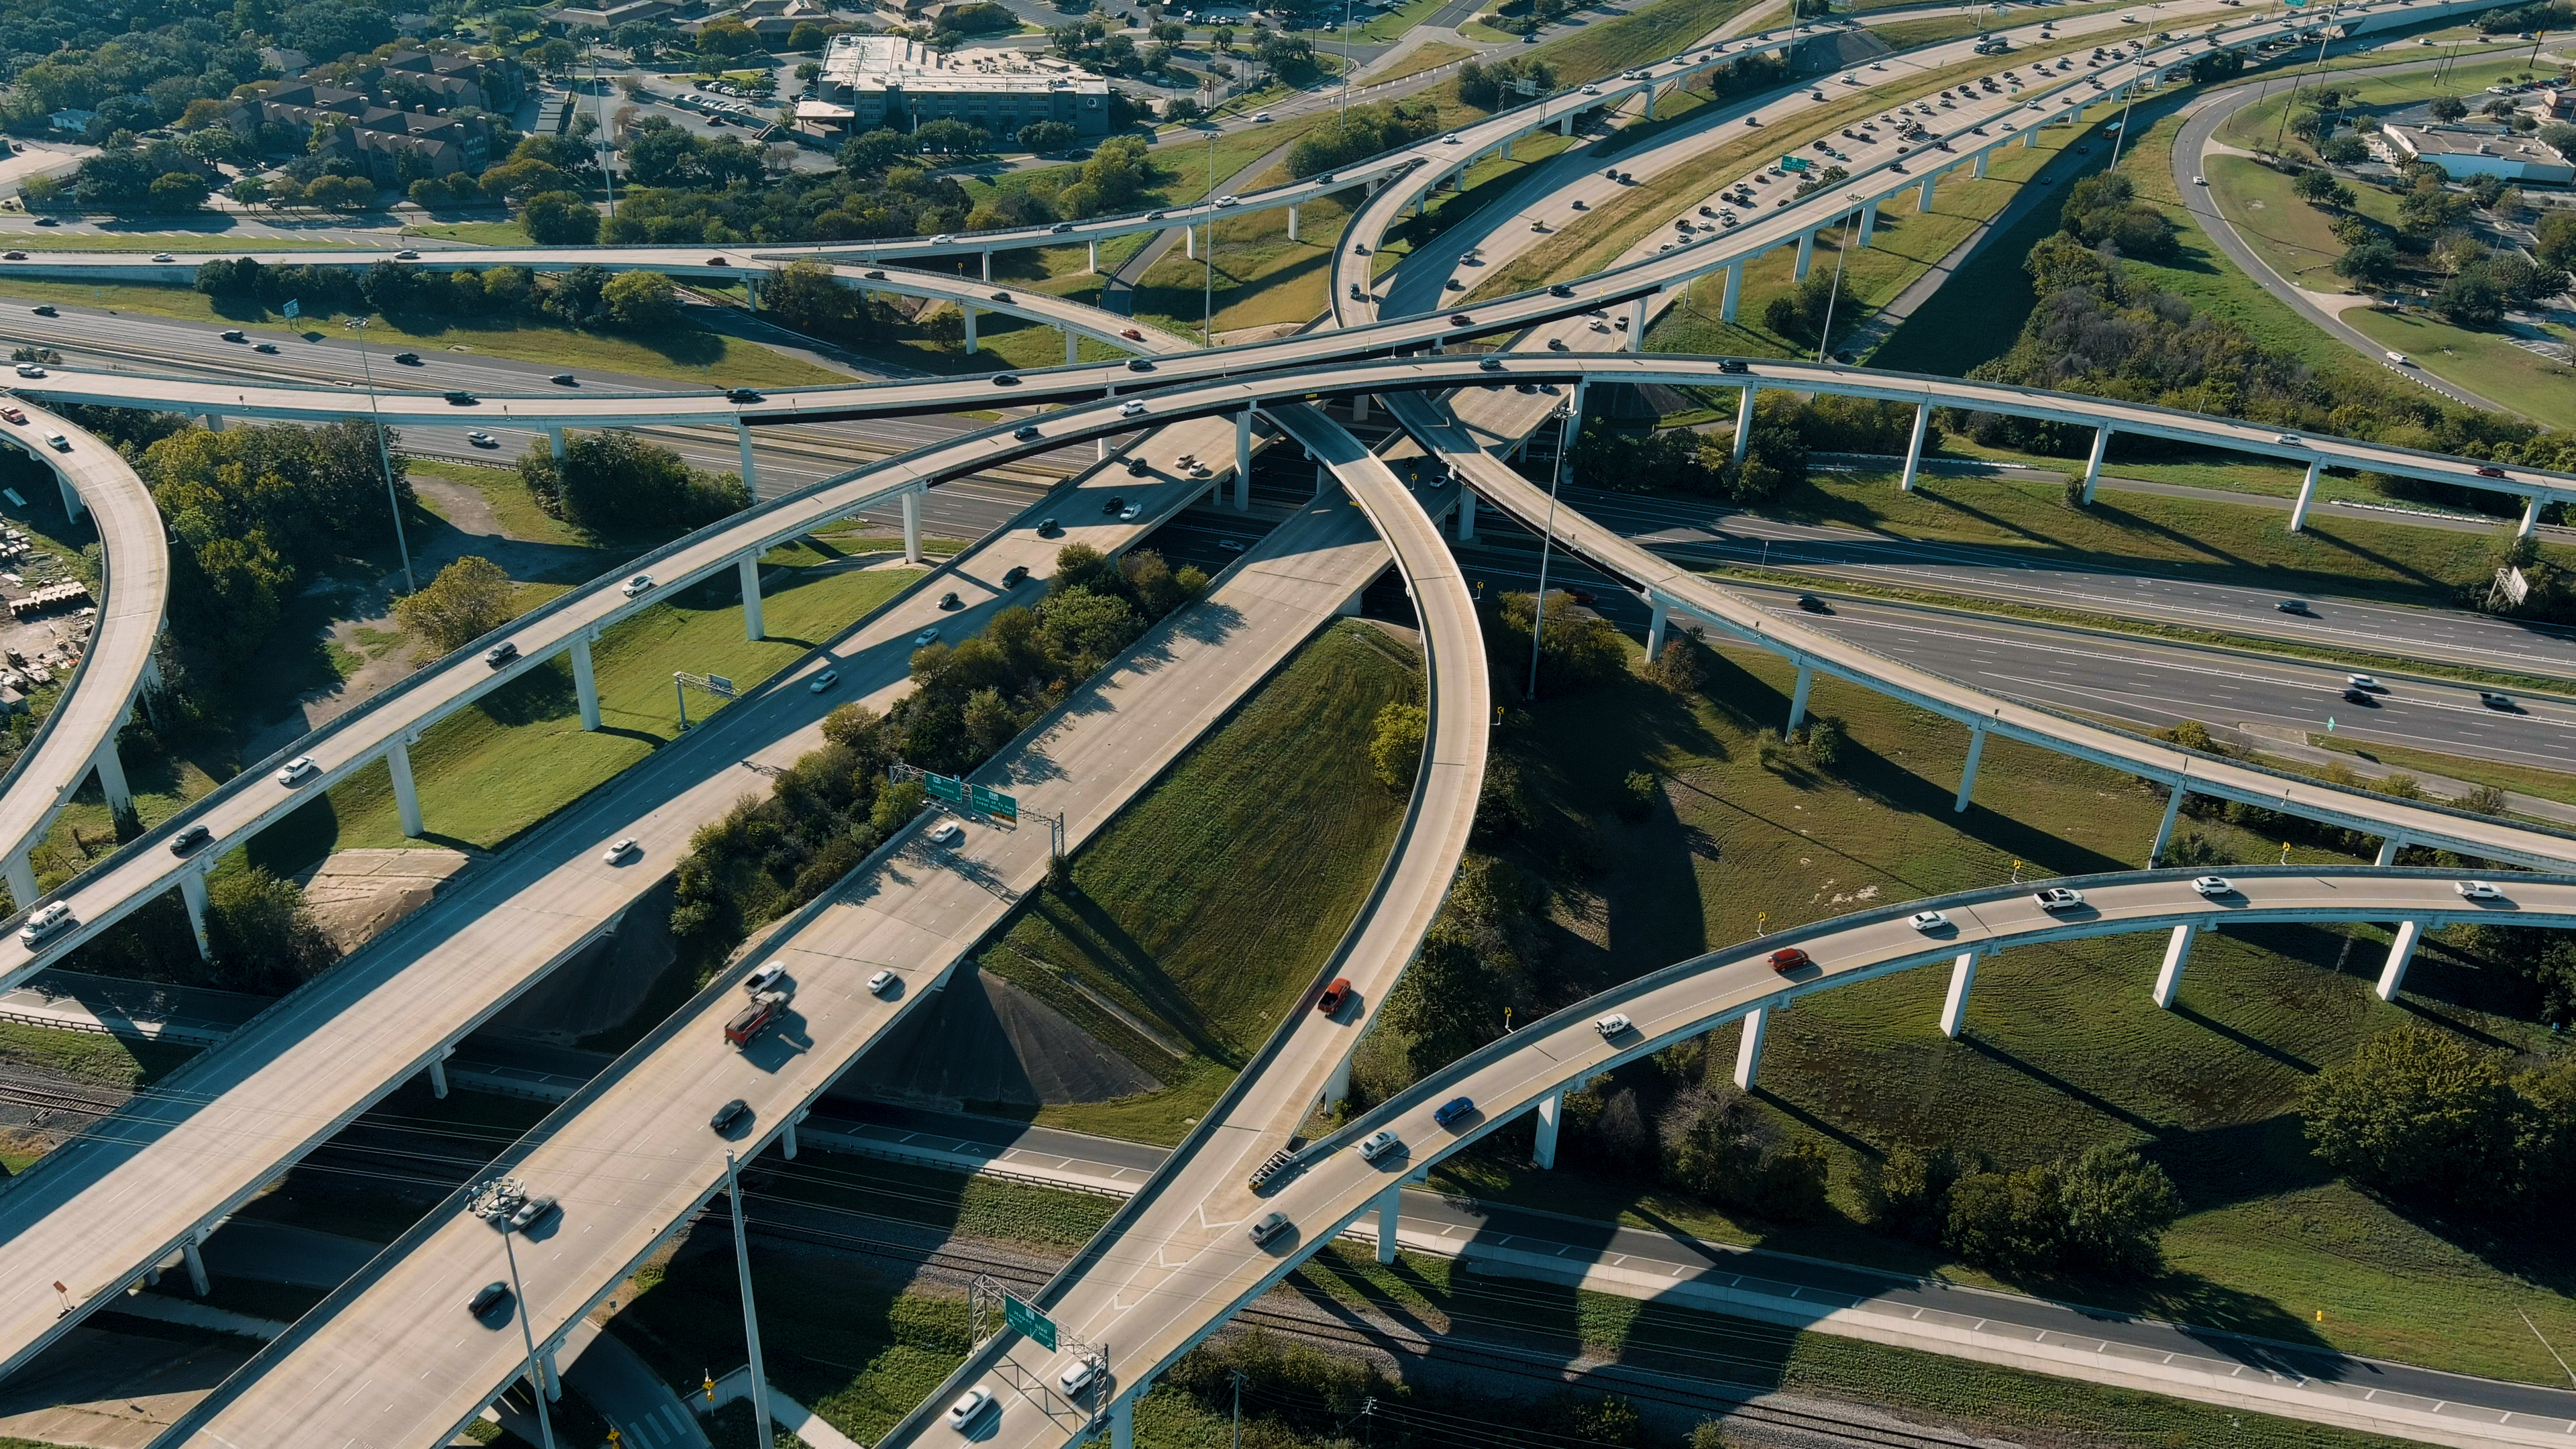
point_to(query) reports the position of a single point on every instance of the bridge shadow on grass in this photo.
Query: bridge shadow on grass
(2061, 1086)
(1088, 929)
(540, 694)
(2252, 1044)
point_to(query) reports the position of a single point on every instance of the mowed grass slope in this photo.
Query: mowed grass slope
(1207, 906)
(2064, 1049)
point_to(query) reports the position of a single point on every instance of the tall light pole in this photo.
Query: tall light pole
(750, 1318)
(1207, 299)
(528, 1336)
(1841, 250)
(384, 454)
(1346, 56)
(607, 151)
(1546, 545)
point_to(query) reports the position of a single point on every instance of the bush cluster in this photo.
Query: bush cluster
(2418, 1113)
(1516, 81)
(1363, 132)
(591, 297)
(614, 482)
(261, 935)
(2102, 1213)
(771, 854)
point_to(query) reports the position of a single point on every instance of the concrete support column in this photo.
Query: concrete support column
(1565, 124)
(1806, 256)
(2164, 831)
(1868, 220)
(555, 440)
(22, 880)
(1968, 775)
(1292, 221)
(1093, 265)
(438, 1072)
(1655, 628)
(1388, 1203)
(2030, 138)
(196, 1260)
(1914, 450)
(1798, 696)
(1980, 172)
(1359, 407)
(747, 568)
(2388, 848)
(1122, 1421)
(912, 526)
(988, 266)
(787, 1141)
(1072, 346)
(2177, 955)
(1637, 325)
(750, 469)
(111, 776)
(1744, 420)
(1924, 201)
(1190, 242)
(192, 893)
(969, 310)
(1734, 292)
(585, 684)
(2401, 954)
(1323, 479)
(1466, 514)
(2093, 465)
(2307, 495)
(1954, 1007)
(406, 796)
(1748, 1047)
(1551, 1114)
(214, 421)
(751, 291)
(1243, 462)
(1650, 100)
(73, 507)
(553, 1374)
(1507, 148)
(1337, 1087)
(2530, 517)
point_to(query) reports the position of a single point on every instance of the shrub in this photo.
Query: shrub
(2105, 1212)
(1395, 745)
(559, 219)
(2414, 1110)
(469, 598)
(1718, 1147)
(1638, 795)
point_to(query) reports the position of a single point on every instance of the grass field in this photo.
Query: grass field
(501, 765)
(681, 354)
(481, 233)
(180, 243)
(107, 1060)
(1208, 904)
(2064, 1047)
(2521, 779)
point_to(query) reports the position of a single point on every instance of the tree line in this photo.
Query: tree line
(587, 297)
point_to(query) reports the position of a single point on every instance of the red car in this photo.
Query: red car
(1132, 335)
(1790, 959)
(1334, 995)
(2490, 470)
(13, 415)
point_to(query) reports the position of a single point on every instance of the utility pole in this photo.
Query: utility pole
(1207, 299)
(1238, 1409)
(528, 1336)
(750, 1317)
(384, 454)
(1546, 545)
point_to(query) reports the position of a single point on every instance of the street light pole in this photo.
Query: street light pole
(384, 454)
(528, 1336)
(750, 1319)
(1546, 545)
(1207, 299)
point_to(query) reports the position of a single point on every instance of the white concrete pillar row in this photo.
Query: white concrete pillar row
(1914, 450)
(2307, 495)
(1798, 695)
(1243, 462)
(406, 795)
(2093, 465)
(111, 776)
(1551, 1115)
(747, 568)
(1806, 255)
(585, 683)
(2401, 954)
(196, 1260)
(1954, 1007)
(1734, 291)
(192, 894)
(1655, 628)
(912, 526)
(1748, 1046)
(1744, 420)
(2177, 956)
(1968, 774)
(750, 469)
(1389, 1204)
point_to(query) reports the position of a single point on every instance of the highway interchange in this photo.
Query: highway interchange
(368, 1326)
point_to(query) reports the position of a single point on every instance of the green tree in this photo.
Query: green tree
(559, 219)
(2447, 109)
(1448, 1003)
(641, 301)
(2413, 1110)
(470, 598)
(262, 934)
(1395, 744)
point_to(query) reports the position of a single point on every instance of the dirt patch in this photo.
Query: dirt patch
(114, 1389)
(986, 1040)
(358, 895)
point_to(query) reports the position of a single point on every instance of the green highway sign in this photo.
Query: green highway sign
(992, 802)
(1028, 1322)
(945, 787)
(1793, 163)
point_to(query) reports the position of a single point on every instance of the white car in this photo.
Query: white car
(53, 917)
(2363, 681)
(163, 257)
(482, 439)
(926, 636)
(637, 585)
(1449, 140)
(946, 833)
(298, 770)
(2214, 885)
(764, 978)
(1379, 1143)
(1229, 201)
(2477, 890)
(623, 851)
(2059, 898)
(942, 239)
(1615, 1024)
(1927, 920)
(969, 1407)
(1261, 117)
(1132, 410)
(881, 983)
(2200, 181)
(2401, 359)
(58, 442)
(1270, 1226)
(1077, 1377)
(1592, 90)
(824, 681)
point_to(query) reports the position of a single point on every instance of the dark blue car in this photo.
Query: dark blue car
(1453, 1112)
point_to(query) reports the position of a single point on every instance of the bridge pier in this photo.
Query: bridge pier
(2177, 955)
(2530, 517)
(1748, 1047)
(2388, 848)
(1798, 696)
(22, 879)
(192, 894)
(751, 291)
(196, 1260)
(1924, 201)
(1122, 1421)
(988, 266)
(1190, 242)
(1655, 628)
(1868, 220)
(1292, 221)
(1072, 353)
(1551, 1115)
(2164, 832)
(438, 1072)
(1734, 293)
(585, 684)
(1954, 1007)
(2401, 954)
(2307, 494)
(1093, 265)
(1243, 462)
(555, 440)
(111, 777)
(747, 568)
(1466, 514)
(1980, 172)
(553, 1375)
(2093, 465)
(912, 526)
(1806, 255)
(1388, 1203)
(1637, 325)
(73, 507)
(2030, 138)
(969, 310)
(1565, 124)
(406, 795)
(1359, 407)
(1650, 100)
(787, 1138)
(211, 422)
(1744, 420)
(1323, 479)
(750, 469)
(1914, 450)
(1968, 775)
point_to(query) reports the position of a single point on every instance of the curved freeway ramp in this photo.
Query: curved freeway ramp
(80, 734)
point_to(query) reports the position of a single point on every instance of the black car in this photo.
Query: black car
(2493, 700)
(1461, 319)
(1025, 431)
(408, 359)
(564, 379)
(2359, 696)
(1813, 605)
(1113, 505)
(742, 395)
(1138, 467)
(1006, 379)
(500, 654)
(1049, 528)
(873, 276)
(1732, 364)
(189, 839)
(1560, 290)
(728, 1114)
(460, 399)
(2292, 606)
(488, 1297)
(1138, 364)
(950, 600)
(1018, 575)
(1490, 364)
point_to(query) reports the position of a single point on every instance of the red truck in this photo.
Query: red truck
(752, 1020)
